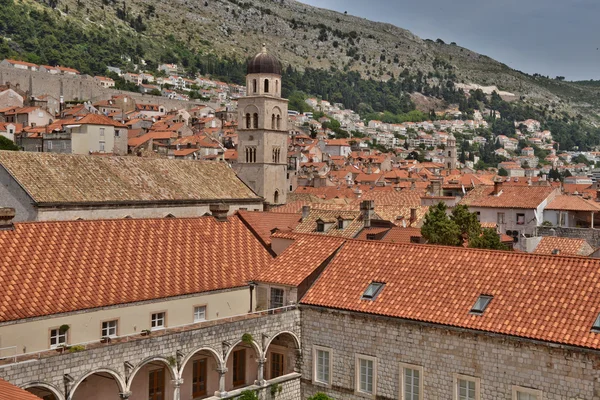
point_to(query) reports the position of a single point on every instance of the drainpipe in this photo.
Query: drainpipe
(252, 285)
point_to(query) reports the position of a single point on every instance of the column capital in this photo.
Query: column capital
(124, 395)
(222, 370)
(177, 382)
(261, 360)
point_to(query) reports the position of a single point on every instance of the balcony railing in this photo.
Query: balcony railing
(9, 355)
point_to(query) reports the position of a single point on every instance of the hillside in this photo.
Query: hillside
(300, 35)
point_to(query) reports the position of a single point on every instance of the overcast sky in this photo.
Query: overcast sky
(550, 37)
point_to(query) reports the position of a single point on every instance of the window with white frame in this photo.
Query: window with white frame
(466, 387)
(366, 374)
(523, 393)
(411, 382)
(199, 313)
(322, 365)
(57, 337)
(101, 132)
(101, 146)
(158, 321)
(109, 328)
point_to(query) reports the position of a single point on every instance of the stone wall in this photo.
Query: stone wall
(77, 87)
(592, 236)
(123, 360)
(499, 362)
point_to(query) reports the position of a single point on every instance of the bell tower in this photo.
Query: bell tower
(262, 130)
(451, 152)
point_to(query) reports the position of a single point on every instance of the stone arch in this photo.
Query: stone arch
(45, 386)
(120, 381)
(172, 371)
(292, 334)
(276, 197)
(197, 350)
(254, 345)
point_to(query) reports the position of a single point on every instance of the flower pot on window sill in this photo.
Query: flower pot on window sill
(105, 339)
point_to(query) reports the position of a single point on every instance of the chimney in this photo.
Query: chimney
(497, 188)
(305, 212)
(413, 215)
(219, 211)
(367, 209)
(6, 217)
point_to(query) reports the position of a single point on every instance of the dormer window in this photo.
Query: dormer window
(320, 226)
(596, 326)
(481, 304)
(373, 290)
(340, 223)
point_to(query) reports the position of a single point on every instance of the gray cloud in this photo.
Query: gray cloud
(550, 37)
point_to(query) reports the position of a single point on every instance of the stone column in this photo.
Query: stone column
(221, 392)
(177, 388)
(261, 371)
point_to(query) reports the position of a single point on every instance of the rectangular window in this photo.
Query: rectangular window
(158, 321)
(199, 313)
(199, 378)
(57, 338)
(366, 374)
(466, 387)
(49, 144)
(276, 298)
(239, 368)
(101, 132)
(411, 377)
(500, 217)
(276, 365)
(322, 365)
(520, 219)
(156, 385)
(109, 328)
(101, 146)
(522, 393)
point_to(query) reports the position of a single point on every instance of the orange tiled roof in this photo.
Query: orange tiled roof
(54, 267)
(11, 392)
(401, 235)
(263, 223)
(510, 197)
(353, 218)
(299, 260)
(548, 298)
(98, 119)
(62, 178)
(573, 203)
(566, 246)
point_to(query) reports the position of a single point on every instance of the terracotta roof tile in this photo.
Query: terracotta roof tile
(566, 246)
(11, 392)
(353, 218)
(526, 197)
(573, 203)
(60, 178)
(263, 223)
(109, 262)
(547, 298)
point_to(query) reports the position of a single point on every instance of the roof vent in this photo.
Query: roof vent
(556, 252)
(6, 216)
(373, 291)
(481, 304)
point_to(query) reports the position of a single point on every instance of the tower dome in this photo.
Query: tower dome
(264, 63)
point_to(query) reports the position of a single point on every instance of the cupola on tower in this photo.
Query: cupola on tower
(262, 130)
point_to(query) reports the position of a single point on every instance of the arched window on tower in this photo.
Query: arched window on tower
(276, 197)
(276, 154)
(276, 86)
(449, 154)
(250, 154)
(254, 86)
(248, 121)
(255, 126)
(266, 86)
(279, 122)
(273, 121)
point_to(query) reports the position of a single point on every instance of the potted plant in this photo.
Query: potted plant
(61, 348)
(105, 339)
(75, 349)
(146, 332)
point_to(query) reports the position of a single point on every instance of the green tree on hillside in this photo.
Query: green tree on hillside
(439, 228)
(489, 239)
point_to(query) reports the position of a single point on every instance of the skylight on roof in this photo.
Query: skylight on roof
(596, 326)
(373, 290)
(481, 304)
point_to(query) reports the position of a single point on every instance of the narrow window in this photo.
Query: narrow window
(254, 86)
(481, 304)
(322, 366)
(156, 384)
(158, 321)
(373, 290)
(199, 378)
(412, 383)
(276, 298)
(266, 86)
(276, 365)
(273, 121)
(199, 313)
(248, 121)
(279, 122)
(276, 197)
(276, 86)
(500, 218)
(255, 126)
(466, 387)
(57, 337)
(101, 146)
(239, 368)
(102, 132)
(520, 219)
(477, 213)
(340, 223)
(366, 371)
(109, 328)
(320, 226)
